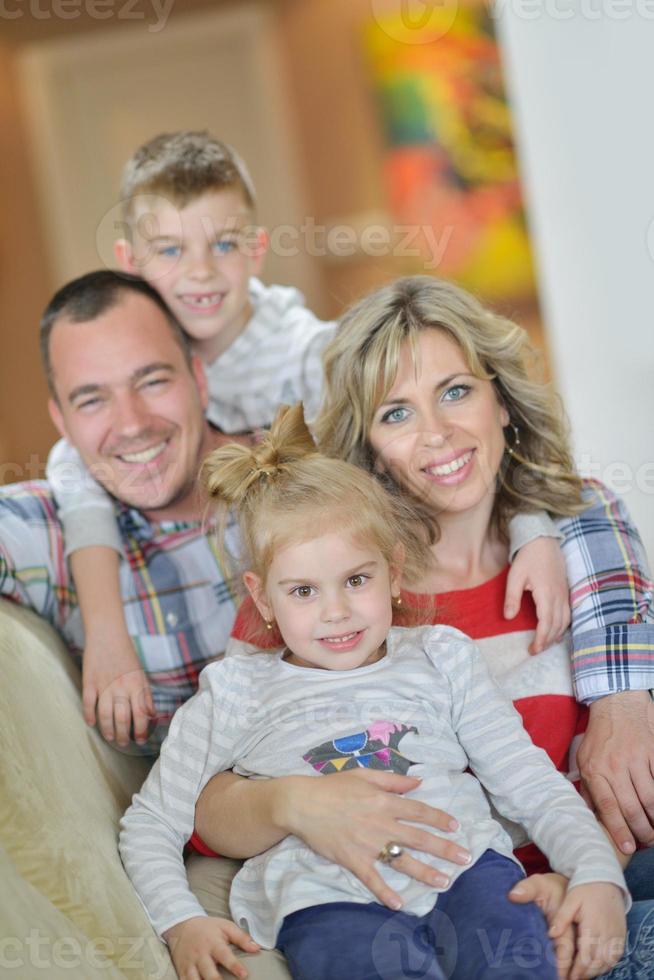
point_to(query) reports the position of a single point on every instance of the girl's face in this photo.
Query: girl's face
(439, 429)
(331, 599)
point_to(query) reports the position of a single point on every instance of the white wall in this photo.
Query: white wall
(581, 78)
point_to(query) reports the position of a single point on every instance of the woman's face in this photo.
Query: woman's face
(439, 429)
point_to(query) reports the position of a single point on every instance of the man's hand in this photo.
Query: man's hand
(548, 891)
(539, 568)
(114, 682)
(197, 945)
(616, 762)
(349, 817)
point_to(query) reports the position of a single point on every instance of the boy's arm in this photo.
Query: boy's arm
(613, 662)
(538, 567)
(85, 509)
(112, 677)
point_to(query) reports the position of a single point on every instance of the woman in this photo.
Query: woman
(430, 391)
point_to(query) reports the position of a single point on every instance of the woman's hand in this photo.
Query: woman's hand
(539, 568)
(349, 817)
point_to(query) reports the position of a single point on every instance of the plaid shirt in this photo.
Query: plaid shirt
(179, 602)
(612, 598)
(180, 605)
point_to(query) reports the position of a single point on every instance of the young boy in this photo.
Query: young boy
(192, 234)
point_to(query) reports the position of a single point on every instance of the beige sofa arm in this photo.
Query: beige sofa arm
(68, 902)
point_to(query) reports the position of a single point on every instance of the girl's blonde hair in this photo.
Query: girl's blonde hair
(284, 491)
(361, 364)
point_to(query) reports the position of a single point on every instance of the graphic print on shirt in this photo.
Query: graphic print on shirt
(375, 748)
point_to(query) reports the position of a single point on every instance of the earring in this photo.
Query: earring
(516, 439)
(269, 625)
(397, 601)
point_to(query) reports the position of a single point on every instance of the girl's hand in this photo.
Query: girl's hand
(197, 945)
(548, 891)
(597, 912)
(539, 568)
(349, 817)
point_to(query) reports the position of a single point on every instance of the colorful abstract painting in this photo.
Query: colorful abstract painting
(450, 165)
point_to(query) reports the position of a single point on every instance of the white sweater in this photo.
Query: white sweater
(429, 707)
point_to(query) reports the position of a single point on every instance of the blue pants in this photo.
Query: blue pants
(473, 932)
(638, 960)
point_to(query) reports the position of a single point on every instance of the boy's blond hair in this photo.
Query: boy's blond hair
(183, 166)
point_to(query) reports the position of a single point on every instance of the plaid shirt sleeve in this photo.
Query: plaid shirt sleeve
(32, 566)
(611, 595)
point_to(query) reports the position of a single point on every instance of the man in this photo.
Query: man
(129, 396)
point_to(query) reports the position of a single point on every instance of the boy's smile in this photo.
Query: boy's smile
(200, 258)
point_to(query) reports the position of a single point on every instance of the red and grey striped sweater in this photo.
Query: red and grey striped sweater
(540, 686)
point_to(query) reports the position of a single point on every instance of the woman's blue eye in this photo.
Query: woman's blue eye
(456, 393)
(395, 415)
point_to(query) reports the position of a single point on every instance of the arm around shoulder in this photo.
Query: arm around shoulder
(612, 597)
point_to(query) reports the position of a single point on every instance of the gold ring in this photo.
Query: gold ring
(389, 852)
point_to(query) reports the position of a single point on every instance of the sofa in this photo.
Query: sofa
(67, 908)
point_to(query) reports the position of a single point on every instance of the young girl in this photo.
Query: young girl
(325, 549)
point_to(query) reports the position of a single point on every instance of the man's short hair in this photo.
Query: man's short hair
(181, 167)
(88, 297)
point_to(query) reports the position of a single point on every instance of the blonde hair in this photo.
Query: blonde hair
(284, 491)
(361, 364)
(183, 166)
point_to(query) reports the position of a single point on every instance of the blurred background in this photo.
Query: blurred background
(505, 145)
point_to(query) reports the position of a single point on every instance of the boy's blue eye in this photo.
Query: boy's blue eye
(169, 251)
(398, 414)
(456, 393)
(225, 245)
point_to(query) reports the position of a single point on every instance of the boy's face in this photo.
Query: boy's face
(199, 258)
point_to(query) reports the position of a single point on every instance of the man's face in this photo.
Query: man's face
(129, 403)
